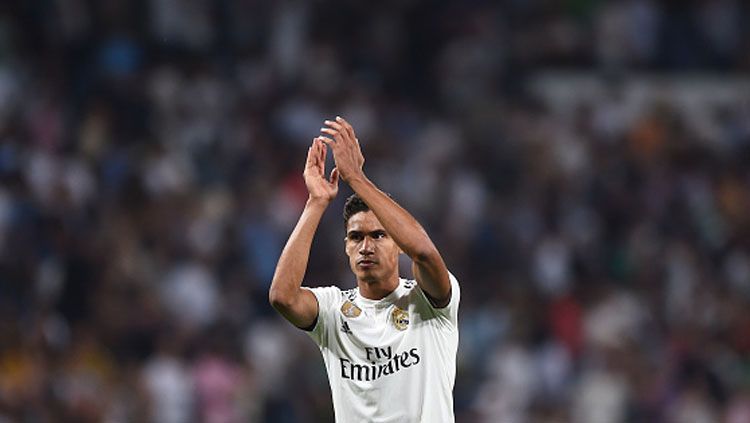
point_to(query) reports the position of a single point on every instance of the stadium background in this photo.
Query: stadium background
(583, 165)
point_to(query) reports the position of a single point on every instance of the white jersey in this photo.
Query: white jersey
(390, 360)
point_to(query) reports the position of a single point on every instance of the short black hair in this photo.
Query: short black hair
(353, 205)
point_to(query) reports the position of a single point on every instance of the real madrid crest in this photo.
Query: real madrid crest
(400, 318)
(349, 309)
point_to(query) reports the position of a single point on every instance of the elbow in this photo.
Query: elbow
(278, 299)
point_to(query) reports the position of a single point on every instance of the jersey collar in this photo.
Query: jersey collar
(386, 301)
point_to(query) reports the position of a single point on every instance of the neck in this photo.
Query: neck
(379, 289)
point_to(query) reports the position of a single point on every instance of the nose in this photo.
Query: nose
(365, 248)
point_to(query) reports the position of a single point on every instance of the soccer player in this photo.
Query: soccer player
(389, 345)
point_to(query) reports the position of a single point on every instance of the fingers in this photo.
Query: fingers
(335, 125)
(325, 142)
(311, 156)
(322, 153)
(335, 177)
(340, 127)
(347, 127)
(339, 134)
(334, 133)
(316, 156)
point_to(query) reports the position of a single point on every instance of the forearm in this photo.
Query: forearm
(408, 234)
(290, 270)
(430, 271)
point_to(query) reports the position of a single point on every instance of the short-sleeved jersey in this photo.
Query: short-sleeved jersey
(390, 360)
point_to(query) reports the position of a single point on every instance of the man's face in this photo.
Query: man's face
(373, 255)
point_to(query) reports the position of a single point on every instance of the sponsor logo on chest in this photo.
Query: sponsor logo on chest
(381, 361)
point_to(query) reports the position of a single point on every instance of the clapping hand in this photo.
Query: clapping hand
(318, 186)
(346, 150)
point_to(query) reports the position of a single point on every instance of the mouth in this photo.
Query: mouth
(366, 263)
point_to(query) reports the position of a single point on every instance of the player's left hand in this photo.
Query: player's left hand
(346, 150)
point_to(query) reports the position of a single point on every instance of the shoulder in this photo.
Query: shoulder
(411, 285)
(447, 314)
(330, 296)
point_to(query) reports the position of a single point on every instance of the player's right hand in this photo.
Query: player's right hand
(318, 186)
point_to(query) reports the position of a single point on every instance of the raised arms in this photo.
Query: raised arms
(299, 306)
(429, 269)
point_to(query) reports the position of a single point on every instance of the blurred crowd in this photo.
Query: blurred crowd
(151, 154)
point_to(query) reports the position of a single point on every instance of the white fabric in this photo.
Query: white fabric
(380, 373)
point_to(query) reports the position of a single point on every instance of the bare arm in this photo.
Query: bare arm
(429, 268)
(299, 306)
